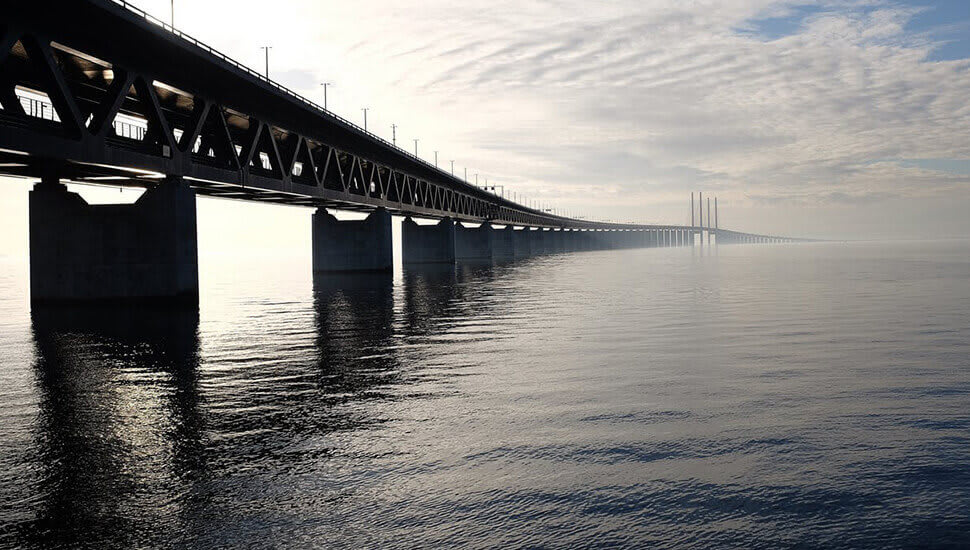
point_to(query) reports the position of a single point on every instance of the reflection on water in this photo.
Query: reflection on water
(120, 431)
(355, 335)
(747, 397)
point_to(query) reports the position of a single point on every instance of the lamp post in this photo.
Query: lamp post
(325, 84)
(365, 109)
(415, 146)
(394, 134)
(453, 172)
(266, 49)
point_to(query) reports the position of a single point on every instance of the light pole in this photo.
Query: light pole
(453, 173)
(173, 15)
(466, 174)
(365, 109)
(415, 146)
(325, 84)
(394, 134)
(267, 49)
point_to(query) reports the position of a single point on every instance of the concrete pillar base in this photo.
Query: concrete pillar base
(428, 244)
(113, 252)
(521, 242)
(347, 246)
(503, 243)
(474, 243)
(537, 241)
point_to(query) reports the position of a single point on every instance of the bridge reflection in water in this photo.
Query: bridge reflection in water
(146, 435)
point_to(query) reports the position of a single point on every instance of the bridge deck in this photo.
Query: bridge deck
(100, 93)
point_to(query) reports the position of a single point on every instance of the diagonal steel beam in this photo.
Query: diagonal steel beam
(57, 89)
(115, 95)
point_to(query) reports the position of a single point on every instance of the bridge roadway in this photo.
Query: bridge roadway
(97, 92)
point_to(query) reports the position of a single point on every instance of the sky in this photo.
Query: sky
(832, 119)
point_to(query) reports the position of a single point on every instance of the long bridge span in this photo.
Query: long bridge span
(97, 92)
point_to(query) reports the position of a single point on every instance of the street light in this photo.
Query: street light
(453, 173)
(267, 49)
(325, 84)
(415, 146)
(436, 159)
(365, 109)
(394, 134)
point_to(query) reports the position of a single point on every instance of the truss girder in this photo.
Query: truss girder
(186, 124)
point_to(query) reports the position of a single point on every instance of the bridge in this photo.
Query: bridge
(98, 92)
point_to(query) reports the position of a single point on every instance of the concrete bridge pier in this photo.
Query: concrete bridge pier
(358, 245)
(577, 240)
(558, 240)
(428, 244)
(604, 239)
(473, 243)
(571, 240)
(91, 252)
(537, 241)
(503, 243)
(521, 242)
(568, 240)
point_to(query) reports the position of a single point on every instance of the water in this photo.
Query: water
(758, 397)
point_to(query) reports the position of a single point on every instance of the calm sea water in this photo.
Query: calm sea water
(749, 396)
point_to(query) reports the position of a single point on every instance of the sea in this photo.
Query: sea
(809, 395)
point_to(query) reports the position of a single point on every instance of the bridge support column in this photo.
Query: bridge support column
(359, 245)
(539, 241)
(558, 239)
(521, 242)
(473, 243)
(88, 252)
(581, 240)
(428, 244)
(503, 243)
